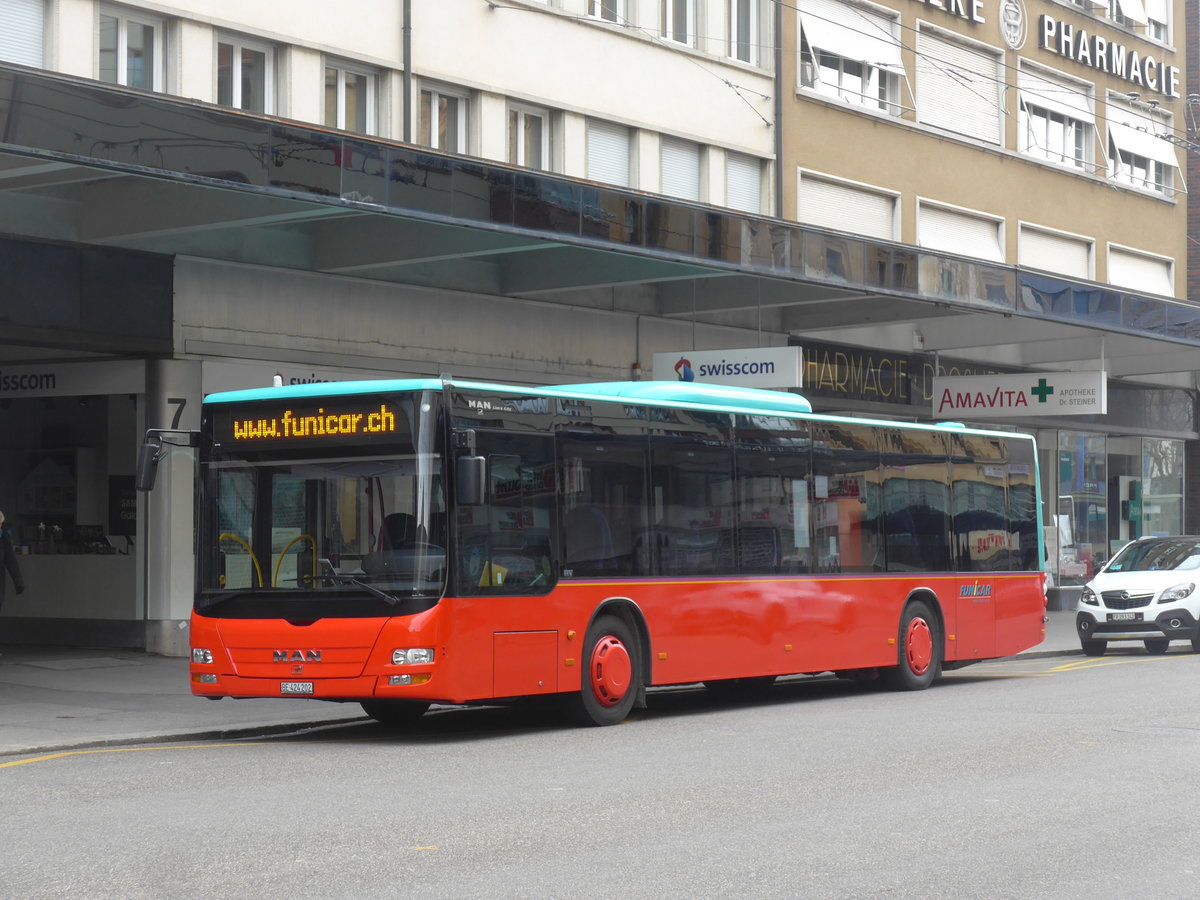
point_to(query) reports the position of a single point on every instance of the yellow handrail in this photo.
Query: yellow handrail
(253, 558)
(304, 537)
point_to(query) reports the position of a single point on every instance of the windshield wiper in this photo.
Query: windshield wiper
(342, 578)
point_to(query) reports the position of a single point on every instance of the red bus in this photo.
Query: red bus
(402, 543)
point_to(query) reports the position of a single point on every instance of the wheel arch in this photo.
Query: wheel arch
(929, 597)
(631, 614)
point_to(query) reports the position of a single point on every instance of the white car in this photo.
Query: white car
(1148, 592)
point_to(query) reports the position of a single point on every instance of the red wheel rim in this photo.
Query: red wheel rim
(610, 670)
(918, 646)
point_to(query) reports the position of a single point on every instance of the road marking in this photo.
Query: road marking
(1038, 668)
(67, 753)
(265, 742)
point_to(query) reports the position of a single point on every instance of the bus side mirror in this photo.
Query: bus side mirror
(470, 479)
(147, 465)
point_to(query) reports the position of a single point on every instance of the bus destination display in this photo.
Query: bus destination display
(291, 424)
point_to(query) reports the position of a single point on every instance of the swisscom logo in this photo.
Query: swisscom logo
(721, 369)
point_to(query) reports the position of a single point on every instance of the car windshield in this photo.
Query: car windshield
(1152, 556)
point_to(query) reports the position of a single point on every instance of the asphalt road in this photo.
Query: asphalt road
(1056, 777)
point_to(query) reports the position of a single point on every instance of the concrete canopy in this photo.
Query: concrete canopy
(100, 166)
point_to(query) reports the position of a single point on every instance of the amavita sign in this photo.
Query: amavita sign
(1019, 396)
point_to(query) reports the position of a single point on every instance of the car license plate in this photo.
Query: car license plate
(295, 687)
(1124, 617)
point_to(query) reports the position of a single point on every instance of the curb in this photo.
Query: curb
(209, 734)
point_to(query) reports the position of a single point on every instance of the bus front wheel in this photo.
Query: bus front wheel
(612, 673)
(918, 654)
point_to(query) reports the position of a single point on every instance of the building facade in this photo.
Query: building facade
(199, 196)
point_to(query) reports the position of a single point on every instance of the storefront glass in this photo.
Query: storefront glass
(1162, 486)
(1103, 491)
(59, 484)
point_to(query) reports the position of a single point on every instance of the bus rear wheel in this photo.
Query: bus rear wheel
(612, 673)
(918, 651)
(394, 713)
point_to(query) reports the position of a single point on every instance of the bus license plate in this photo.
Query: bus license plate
(1124, 617)
(295, 687)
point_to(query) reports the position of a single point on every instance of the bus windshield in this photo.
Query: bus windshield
(290, 531)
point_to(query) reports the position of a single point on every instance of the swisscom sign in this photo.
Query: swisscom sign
(760, 367)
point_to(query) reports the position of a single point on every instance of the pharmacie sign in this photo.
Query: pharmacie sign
(1110, 57)
(760, 367)
(1018, 396)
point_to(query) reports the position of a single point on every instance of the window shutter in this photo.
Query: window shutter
(1144, 274)
(743, 183)
(851, 33)
(608, 153)
(680, 169)
(1054, 253)
(958, 88)
(960, 233)
(1060, 97)
(21, 36)
(843, 207)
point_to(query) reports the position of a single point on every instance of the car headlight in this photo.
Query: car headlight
(1089, 597)
(1178, 592)
(412, 656)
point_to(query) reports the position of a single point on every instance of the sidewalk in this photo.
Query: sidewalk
(57, 698)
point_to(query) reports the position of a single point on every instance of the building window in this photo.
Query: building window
(1158, 20)
(1055, 251)
(608, 153)
(743, 182)
(960, 232)
(1056, 120)
(744, 30)
(349, 98)
(679, 20)
(959, 88)
(529, 137)
(1144, 273)
(443, 124)
(131, 49)
(1139, 153)
(846, 206)
(1129, 13)
(244, 76)
(21, 38)
(681, 169)
(609, 10)
(850, 54)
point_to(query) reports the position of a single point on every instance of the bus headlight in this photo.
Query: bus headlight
(202, 656)
(412, 656)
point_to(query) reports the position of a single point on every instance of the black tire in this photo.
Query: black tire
(1157, 646)
(394, 713)
(918, 650)
(1094, 648)
(612, 673)
(1196, 644)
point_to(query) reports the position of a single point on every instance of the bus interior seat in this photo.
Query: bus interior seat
(399, 530)
(588, 541)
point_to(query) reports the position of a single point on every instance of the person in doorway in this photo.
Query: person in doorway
(8, 561)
